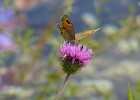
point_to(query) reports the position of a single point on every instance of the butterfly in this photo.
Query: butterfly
(66, 30)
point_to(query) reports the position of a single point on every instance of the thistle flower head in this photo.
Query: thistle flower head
(74, 57)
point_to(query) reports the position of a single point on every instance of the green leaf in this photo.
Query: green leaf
(129, 93)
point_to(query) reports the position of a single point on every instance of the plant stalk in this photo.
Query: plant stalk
(62, 87)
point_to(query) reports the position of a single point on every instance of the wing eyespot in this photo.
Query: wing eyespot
(68, 21)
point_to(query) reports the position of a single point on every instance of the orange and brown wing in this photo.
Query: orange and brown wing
(64, 33)
(67, 25)
(85, 34)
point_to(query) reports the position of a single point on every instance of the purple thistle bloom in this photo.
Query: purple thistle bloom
(76, 52)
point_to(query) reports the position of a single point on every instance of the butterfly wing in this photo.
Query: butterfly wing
(64, 33)
(67, 25)
(67, 31)
(85, 34)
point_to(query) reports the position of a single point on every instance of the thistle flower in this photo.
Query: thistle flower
(74, 57)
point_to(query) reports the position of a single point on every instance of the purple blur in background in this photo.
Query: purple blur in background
(7, 19)
(6, 43)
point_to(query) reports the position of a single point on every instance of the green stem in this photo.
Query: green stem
(62, 87)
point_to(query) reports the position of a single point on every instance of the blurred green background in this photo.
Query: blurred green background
(29, 40)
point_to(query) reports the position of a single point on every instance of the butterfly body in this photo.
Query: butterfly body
(66, 30)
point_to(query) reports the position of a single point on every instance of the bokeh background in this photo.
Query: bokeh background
(29, 41)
